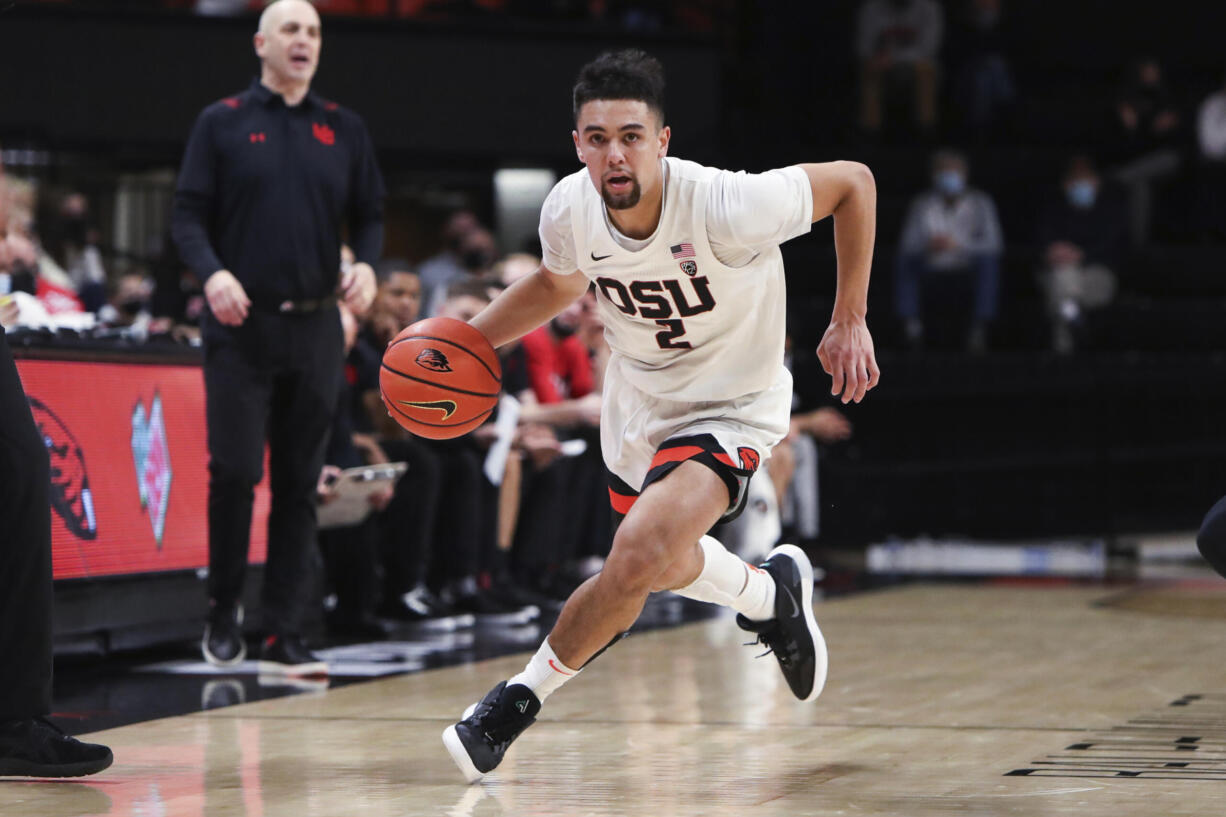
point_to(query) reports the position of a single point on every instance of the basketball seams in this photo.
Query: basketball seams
(456, 389)
(470, 352)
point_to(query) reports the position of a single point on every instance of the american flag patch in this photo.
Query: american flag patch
(682, 250)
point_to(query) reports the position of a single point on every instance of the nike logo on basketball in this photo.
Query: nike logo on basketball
(596, 257)
(448, 407)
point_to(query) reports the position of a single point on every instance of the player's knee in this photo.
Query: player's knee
(635, 563)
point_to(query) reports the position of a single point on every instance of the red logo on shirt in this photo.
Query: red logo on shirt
(230, 102)
(323, 133)
(256, 137)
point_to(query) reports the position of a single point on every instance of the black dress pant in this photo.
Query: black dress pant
(407, 527)
(274, 379)
(25, 554)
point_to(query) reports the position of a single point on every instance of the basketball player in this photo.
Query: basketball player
(690, 279)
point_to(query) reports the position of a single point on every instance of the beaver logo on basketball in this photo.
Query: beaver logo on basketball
(71, 497)
(448, 407)
(434, 360)
(749, 458)
(689, 268)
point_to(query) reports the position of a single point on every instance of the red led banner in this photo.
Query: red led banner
(129, 467)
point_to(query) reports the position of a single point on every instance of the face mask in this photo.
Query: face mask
(1082, 193)
(131, 307)
(475, 259)
(561, 328)
(950, 182)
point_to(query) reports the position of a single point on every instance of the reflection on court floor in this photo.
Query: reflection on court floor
(938, 696)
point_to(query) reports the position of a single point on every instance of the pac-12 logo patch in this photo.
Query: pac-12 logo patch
(151, 456)
(434, 360)
(749, 458)
(690, 268)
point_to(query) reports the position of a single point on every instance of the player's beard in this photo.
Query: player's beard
(623, 201)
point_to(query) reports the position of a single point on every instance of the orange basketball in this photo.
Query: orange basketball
(440, 378)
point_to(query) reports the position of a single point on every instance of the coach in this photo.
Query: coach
(268, 179)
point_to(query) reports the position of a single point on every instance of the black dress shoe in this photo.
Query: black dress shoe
(222, 643)
(38, 748)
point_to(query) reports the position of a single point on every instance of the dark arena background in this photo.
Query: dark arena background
(1004, 530)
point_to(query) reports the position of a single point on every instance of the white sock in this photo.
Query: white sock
(544, 673)
(729, 580)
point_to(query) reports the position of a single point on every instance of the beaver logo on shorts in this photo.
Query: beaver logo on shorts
(749, 458)
(434, 360)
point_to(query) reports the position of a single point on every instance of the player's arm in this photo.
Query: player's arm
(527, 304)
(847, 191)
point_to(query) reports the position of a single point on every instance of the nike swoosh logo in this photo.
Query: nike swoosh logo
(596, 257)
(791, 598)
(448, 407)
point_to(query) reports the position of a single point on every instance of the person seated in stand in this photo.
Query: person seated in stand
(951, 236)
(351, 553)
(1082, 236)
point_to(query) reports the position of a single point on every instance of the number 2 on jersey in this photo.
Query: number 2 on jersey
(667, 337)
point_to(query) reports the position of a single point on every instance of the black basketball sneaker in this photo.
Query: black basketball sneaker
(792, 635)
(478, 742)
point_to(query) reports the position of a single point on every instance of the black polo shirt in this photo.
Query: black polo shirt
(265, 189)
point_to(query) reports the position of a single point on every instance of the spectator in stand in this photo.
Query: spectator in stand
(474, 578)
(351, 553)
(563, 529)
(983, 81)
(591, 334)
(178, 297)
(1146, 142)
(74, 240)
(951, 236)
(397, 302)
(129, 303)
(897, 42)
(1081, 237)
(558, 362)
(1211, 178)
(477, 254)
(440, 269)
(408, 546)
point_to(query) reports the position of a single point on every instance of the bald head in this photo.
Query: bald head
(275, 10)
(288, 44)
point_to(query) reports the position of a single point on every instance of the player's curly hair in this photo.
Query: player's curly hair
(628, 74)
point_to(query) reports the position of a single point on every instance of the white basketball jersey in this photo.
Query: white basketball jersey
(681, 324)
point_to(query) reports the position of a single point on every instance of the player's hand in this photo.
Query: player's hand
(227, 298)
(358, 287)
(847, 355)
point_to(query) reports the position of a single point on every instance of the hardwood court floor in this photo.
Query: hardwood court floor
(936, 694)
